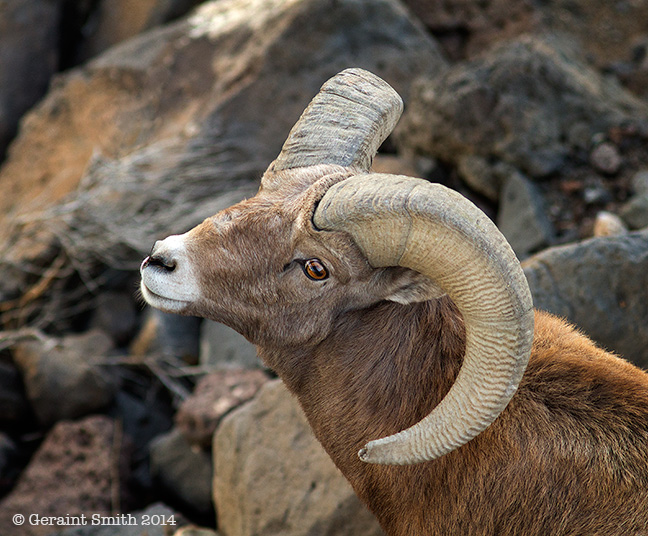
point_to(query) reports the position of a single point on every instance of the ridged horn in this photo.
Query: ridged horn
(401, 221)
(344, 124)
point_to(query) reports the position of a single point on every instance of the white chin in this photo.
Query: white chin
(163, 303)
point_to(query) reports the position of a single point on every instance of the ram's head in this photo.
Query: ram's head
(324, 235)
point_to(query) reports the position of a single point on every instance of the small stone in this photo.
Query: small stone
(605, 158)
(608, 224)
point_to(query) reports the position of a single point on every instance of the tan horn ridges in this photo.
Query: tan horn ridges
(401, 221)
(344, 124)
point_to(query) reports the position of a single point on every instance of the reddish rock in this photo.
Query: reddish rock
(73, 473)
(216, 395)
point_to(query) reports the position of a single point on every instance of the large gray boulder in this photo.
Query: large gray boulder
(530, 103)
(599, 285)
(271, 476)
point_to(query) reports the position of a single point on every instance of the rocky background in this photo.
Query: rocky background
(123, 121)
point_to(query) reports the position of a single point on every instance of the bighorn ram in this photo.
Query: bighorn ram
(400, 318)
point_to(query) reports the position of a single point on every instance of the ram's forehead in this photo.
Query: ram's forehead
(258, 227)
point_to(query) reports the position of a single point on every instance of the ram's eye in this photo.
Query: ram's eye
(315, 270)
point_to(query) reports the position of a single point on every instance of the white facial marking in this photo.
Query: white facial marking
(169, 280)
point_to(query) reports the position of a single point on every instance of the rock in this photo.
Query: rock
(599, 285)
(215, 395)
(61, 380)
(399, 165)
(271, 476)
(74, 472)
(635, 212)
(195, 531)
(639, 182)
(605, 30)
(14, 406)
(118, 20)
(222, 347)
(467, 27)
(171, 126)
(483, 177)
(142, 419)
(9, 468)
(608, 224)
(155, 520)
(518, 103)
(29, 35)
(605, 158)
(170, 335)
(184, 472)
(522, 217)
(178, 336)
(115, 315)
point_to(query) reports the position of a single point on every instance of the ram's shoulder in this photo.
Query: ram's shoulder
(566, 364)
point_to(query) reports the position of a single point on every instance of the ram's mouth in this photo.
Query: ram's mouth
(169, 305)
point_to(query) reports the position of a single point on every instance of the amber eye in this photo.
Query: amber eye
(315, 270)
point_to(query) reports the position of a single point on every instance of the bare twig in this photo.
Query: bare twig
(10, 338)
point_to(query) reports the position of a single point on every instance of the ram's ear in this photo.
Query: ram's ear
(408, 286)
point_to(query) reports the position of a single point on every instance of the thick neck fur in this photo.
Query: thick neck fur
(381, 370)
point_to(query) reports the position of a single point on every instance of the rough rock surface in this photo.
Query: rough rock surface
(61, 380)
(599, 285)
(215, 395)
(267, 445)
(74, 472)
(529, 103)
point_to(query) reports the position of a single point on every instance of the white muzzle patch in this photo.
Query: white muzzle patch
(169, 279)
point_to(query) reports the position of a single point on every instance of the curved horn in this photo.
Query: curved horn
(344, 124)
(401, 221)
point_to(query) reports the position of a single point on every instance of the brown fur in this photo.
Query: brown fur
(569, 455)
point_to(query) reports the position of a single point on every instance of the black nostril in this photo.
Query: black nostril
(161, 262)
